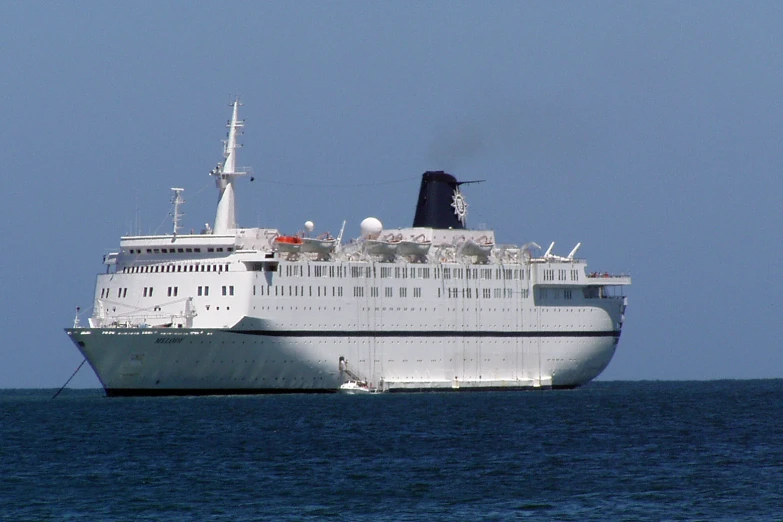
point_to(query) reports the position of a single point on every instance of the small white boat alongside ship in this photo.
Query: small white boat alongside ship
(354, 388)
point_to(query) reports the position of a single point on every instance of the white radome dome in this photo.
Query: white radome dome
(371, 228)
(309, 226)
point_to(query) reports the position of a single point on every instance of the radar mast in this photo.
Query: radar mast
(226, 172)
(177, 200)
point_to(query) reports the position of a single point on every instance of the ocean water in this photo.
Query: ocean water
(608, 451)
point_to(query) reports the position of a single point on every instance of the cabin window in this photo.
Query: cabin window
(224, 290)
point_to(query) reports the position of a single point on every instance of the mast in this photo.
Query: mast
(177, 200)
(226, 172)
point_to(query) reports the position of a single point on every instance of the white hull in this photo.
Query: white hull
(173, 361)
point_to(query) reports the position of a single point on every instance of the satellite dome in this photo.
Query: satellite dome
(309, 226)
(371, 228)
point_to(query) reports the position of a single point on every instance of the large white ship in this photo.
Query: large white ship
(435, 306)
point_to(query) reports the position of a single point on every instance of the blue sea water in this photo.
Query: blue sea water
(607, 451)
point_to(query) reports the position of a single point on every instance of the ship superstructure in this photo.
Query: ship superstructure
(435, 306)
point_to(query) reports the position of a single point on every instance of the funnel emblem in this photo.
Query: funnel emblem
(459, 205)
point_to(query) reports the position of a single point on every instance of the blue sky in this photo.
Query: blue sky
(650, 132)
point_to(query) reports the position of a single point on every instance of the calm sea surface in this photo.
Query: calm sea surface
(608, 451)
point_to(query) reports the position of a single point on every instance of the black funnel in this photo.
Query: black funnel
(440, 202)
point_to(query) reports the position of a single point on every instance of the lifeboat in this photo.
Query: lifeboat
(322, 244)
(418, 246)
(386, 247)
(481, 247)
(288, 243)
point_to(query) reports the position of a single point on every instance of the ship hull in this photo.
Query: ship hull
(166, 361)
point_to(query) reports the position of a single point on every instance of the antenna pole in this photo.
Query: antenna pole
(177, 200)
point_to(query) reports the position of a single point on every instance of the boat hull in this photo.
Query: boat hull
(165, 361)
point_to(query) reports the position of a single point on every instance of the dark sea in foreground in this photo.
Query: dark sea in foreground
(608, 451)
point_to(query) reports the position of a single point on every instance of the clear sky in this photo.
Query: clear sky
(649, 131)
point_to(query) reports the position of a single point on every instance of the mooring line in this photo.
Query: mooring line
(69, 379)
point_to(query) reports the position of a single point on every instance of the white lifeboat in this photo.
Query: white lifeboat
(417, 246)
(481, 247)
(321, 245)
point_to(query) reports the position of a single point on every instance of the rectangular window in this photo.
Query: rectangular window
(169, 294)
(224, 290)
(206, 290)
(388, 292)
(145, 291)
(200, 289)
(230, 290)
